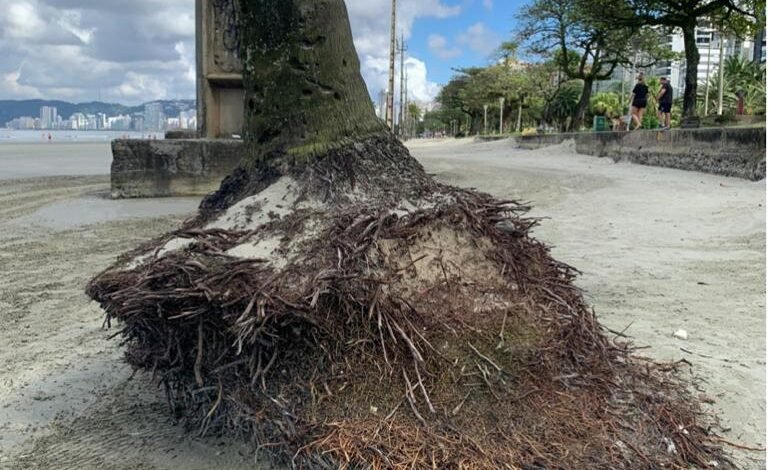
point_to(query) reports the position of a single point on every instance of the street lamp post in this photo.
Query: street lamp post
(501, 114)
(485, 119)
(707, 73)
(721, 72)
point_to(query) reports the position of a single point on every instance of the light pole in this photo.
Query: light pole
(521, 97)
(721, 73)
(707, 73)
(485, 119)
(390, 115)
(501, 114)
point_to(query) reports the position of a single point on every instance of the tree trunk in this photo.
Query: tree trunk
(307, 111)
(692, 62)
(304, 91)
(584, 101)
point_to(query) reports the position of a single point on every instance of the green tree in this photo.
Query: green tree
(451, 99)
(731, 15)
(573, 33)
(507, 52)
(741, 78)
(415, 111)
(607, 104)
(560, 111)
(543, 83)
(526, 89)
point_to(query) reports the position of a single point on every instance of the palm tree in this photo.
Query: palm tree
(562, 107)
(741, 77)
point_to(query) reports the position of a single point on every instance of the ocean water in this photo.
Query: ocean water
(30, 154)
(39, 136)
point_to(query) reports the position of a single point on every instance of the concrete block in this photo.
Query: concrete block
(165, 168)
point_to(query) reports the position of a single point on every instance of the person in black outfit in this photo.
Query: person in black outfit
(638, 102)
(665, 100)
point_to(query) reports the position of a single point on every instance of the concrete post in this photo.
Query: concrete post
(219, 69)
(501, 115)
(721, 73)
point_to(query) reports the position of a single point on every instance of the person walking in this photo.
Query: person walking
(638, 102)
(665, 100)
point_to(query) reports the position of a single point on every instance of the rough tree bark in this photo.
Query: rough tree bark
(304, 90)
(584, 102)
(692, 63)
(305, 103)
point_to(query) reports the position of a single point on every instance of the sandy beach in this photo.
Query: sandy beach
(660, 249)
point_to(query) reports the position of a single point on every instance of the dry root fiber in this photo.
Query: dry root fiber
(424, 329)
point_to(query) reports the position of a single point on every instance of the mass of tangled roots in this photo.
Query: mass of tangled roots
(442, 336)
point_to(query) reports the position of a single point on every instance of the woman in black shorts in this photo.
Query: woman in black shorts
(638, 101)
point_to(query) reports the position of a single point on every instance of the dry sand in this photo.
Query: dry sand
(660, 249)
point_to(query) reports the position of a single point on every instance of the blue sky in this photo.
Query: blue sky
(441, 35)
(470, 37)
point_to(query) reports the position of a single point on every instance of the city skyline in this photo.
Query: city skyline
(152, 118)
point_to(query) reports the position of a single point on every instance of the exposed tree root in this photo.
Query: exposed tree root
(390, 322)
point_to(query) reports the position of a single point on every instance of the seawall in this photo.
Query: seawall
(195, 167)
(739, 152)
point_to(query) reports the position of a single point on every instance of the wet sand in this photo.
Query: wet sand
(25, 160)
(660, 250)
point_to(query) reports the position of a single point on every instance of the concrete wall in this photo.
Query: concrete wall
(219, 69)
(739, 152)
(163, 168)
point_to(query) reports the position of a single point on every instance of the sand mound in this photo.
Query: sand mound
(391, 329)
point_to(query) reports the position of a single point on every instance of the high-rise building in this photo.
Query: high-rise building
(48, 117)
(381, 105)
(709, 47)
(120, 123)
(137, 123)
(185, 119)
(759, 47)
(79, 121)
(154, 119)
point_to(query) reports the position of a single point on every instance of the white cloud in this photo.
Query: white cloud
(11, 87)
(439, 46)
(22, 21)
(480, 39)
(419, 87)
(141, 87)
(370, 21)
(145, 49)
(488, 4)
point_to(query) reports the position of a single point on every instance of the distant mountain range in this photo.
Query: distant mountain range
(12, 109)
